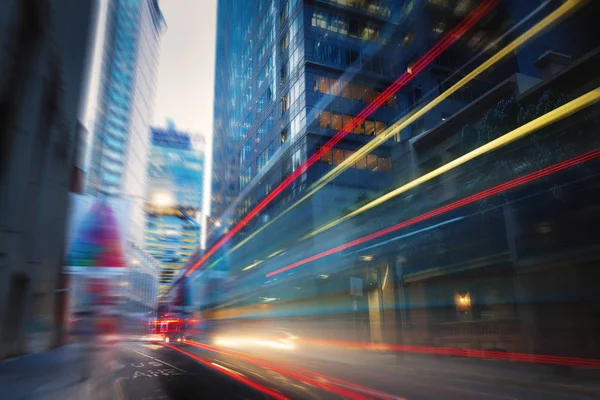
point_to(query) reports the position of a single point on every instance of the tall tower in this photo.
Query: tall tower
(126, 89)
(174, 220)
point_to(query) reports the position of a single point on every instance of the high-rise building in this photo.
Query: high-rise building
(290, 74)
(436, 278)
(128, 44)
(174, 221)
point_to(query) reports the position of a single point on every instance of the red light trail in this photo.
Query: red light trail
(231, 374)
(449, 207)
(467, 23)
(497, 355)
(331, 384)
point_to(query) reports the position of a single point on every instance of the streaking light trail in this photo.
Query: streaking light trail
(230, 373)
(335, 385)
(452, 206)
(456, 33)
(547, 119)
(404, 122)
(489, 354)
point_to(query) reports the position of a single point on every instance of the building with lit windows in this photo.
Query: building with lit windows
(302, 71)
(122, 103)
(174, 218)
(297, 78)
(488, 273)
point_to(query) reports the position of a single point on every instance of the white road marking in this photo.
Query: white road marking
(156, 359)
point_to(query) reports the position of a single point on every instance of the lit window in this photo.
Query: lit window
(368, 94)
(379, 127)
(372, 162)
(336, 122)
(327, 157)
(325, 119)
(360, 128)
(334, 87)
(361, 163)
(356, 91)
(338, 156)
(369, 127)
(347, 120)
(346, 90)
(323, 84)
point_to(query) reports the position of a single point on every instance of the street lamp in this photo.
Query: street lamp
(162, 199)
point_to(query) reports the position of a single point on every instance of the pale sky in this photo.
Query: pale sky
(186, 68)
(186, 72)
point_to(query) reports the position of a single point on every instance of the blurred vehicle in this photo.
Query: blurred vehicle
(173, 330)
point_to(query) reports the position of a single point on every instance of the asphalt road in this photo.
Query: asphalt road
(149, 371)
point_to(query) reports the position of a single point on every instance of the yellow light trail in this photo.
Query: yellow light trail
(547, 119)
(564, 10)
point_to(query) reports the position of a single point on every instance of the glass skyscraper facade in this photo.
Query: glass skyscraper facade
(290, 75)
(119, 152)
(273, 101)
(175, 194)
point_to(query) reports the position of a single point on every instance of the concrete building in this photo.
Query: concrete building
(174, 214)
(44, 55)
(123, 103)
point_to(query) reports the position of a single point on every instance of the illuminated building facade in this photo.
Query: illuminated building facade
(175, 192)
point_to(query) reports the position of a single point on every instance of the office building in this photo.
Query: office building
(174, 220)
(290, 75)
(123, 103)
(44, 50)
(510, 271)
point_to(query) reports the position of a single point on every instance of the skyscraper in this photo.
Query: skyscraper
(290, 74)
(174, 208)
(128, 49)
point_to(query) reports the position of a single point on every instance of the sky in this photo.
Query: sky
(186, 68)
(186, 73)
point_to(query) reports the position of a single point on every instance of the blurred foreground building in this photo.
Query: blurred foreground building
(45, 47)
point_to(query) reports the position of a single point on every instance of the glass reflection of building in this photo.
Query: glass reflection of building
(173, 210)
(128, 44)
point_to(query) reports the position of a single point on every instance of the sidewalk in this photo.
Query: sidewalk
(582, 381)
(70, 372)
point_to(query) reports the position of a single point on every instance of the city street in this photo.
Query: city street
(148, 371)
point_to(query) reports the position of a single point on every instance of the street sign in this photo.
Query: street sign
(354, 305)
(356, 286)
